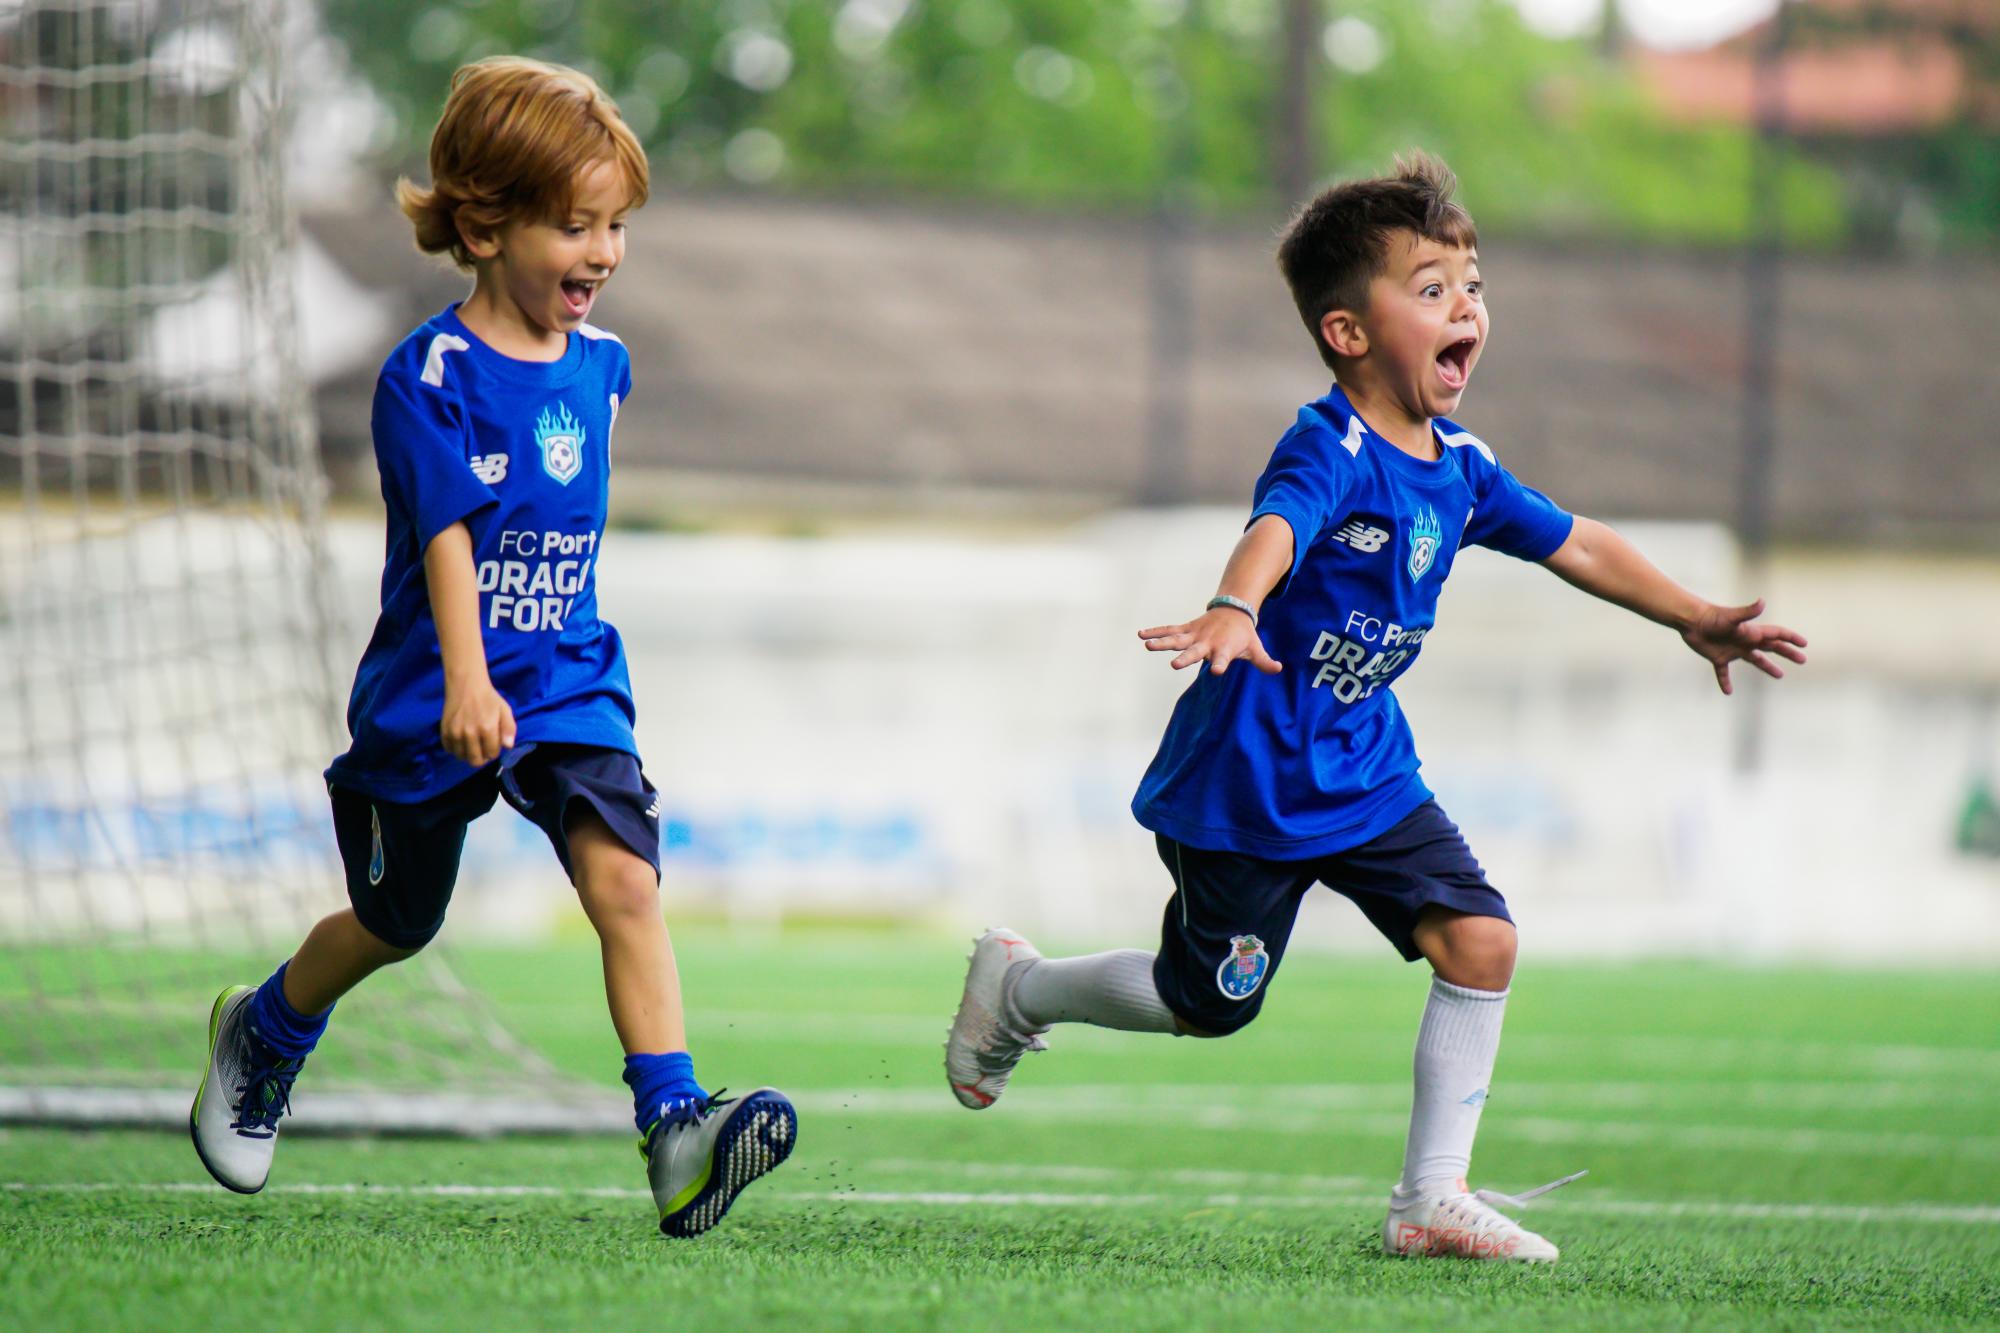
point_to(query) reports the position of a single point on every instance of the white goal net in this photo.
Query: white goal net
(167, 695)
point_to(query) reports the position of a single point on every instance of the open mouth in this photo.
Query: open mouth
(1454, 363)
(578, 294)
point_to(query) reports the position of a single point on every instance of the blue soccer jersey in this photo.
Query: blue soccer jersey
(520, 452)
(1319, 759)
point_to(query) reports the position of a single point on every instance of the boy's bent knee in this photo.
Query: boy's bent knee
(391, 944)
(630, 891)
(1476, 952)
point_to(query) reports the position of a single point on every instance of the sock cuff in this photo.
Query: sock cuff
(665, 1066)
(1460, 1022)
(1439, 986)
(656, 1079)
(282, 1029)
(283, 1006)
(1010, 1009)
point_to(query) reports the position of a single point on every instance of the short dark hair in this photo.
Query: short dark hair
(1338, 241)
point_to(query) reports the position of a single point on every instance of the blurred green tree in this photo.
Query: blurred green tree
(1078, 103)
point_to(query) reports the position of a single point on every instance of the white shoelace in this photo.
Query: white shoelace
(1006, 1047)
(1521, 1200)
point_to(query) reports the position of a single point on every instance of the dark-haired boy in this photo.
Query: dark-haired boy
(1271, 780)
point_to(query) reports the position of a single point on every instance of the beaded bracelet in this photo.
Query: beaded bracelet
(1224, 599)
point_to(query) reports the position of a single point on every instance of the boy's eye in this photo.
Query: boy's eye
(1433, 289)
(1476, 287)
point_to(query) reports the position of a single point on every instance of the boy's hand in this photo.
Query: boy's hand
(1723, 634)
(1218, 638)
(477, 723)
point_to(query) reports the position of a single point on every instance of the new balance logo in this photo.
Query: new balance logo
(1361, 536)
(490, 468)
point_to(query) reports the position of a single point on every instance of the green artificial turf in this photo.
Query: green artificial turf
(1767, 1148)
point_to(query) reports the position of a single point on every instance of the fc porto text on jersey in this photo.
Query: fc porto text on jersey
(1319, 758)
(519, 451)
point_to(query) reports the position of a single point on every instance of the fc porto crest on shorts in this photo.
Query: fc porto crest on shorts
(560, 436)
(1243, 971)
(1425, 534)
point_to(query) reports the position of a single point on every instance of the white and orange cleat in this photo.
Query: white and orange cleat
(1460, 1224)
(986, 1041)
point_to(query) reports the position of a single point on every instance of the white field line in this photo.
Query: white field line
(1813, 1142)
(1812, 1212)
(1578, 1095)
(1592, 1094)
(1881, 1060)
(1861, 1058)
(1337, 1108)
(370, 1191)
(1954, 1062)
(1109, 1174)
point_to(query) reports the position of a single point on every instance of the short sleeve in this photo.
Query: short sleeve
(1305, 484)
(621, 388)
(1514, 519)
(420, 433)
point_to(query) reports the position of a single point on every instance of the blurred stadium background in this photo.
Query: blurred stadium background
(958, 345)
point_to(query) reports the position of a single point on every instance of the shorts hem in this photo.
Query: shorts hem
(1236, 842)
(604, 813)
(395, 939)
(1471, 902)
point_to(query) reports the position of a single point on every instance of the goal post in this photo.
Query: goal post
(169, 689)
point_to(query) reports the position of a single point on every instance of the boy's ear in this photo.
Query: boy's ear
(480, 244)
(1342, 331)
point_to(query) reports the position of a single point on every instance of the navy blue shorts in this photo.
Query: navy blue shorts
(402, 859)
(1226, 926)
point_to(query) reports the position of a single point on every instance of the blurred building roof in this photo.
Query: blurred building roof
(896, 348)
(1856, 67)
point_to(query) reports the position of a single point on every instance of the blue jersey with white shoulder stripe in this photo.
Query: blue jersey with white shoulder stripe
(520, 452)
(1319, 758)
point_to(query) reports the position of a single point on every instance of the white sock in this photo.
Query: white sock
(1112, 990)
(1455, 1049)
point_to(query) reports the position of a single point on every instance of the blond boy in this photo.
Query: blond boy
(489, 673)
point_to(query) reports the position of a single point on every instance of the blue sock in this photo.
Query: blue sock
(287, 1032)
(655, 1079)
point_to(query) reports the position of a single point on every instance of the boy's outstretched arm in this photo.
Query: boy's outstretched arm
(1220, 636)
(1602, 563)
(477, 723)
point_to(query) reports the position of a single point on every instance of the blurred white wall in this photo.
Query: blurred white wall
(950, 730)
